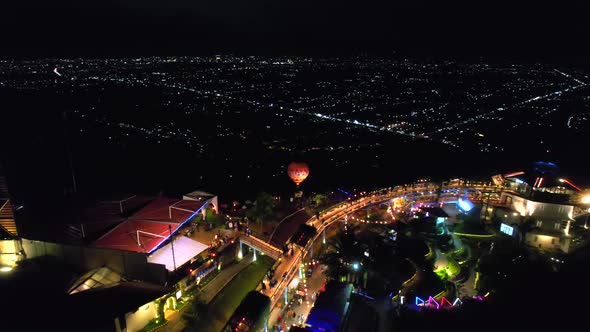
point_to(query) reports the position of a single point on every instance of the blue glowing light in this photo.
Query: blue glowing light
(355, 266)
(465, 205)
(419, 301)
(509, 230)
(345, 192)
(180, 226)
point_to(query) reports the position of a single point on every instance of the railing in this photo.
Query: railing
(261, 245)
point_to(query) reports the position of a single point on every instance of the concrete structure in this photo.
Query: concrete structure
(137, 319)
(549, 241)
(551, 211)
(9, 252)
(131, 265)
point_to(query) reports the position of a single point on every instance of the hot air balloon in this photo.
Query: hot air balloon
(298, 172)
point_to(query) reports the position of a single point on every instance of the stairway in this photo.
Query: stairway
(7, 217)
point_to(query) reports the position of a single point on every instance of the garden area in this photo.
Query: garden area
(212, 317)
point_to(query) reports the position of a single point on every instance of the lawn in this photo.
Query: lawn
(226, 302)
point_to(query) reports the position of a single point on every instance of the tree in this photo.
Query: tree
(343, 250)
(320, 199)
(264, 208)
(198, 311)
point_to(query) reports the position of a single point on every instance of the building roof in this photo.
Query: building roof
(249, 313)
(329, 308)
(288, 226)
(117, 299)
(137, 235)
(184, 250)
(435, 211)
(100, 277)
(303, 234)
(198, 194)
(147, 229)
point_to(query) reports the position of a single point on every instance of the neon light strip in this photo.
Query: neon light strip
(457, 302)
(431, 300)
(540, 181)
(573, 185)
(363, 295)
(419, 300)
(535, 184)
(474, 235)
(179, 226)
(513, 174)
(444, 300)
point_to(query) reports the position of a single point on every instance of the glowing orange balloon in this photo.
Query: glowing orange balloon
(298, 172)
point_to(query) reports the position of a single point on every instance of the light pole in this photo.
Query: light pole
(172, 245)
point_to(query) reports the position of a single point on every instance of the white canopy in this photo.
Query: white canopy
(184, 250)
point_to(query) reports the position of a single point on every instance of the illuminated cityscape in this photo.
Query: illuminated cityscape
(294, 166)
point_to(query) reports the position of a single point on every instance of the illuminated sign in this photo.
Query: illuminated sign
(419, 301)
(509, 230)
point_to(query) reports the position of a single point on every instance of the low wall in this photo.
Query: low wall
(131, 265)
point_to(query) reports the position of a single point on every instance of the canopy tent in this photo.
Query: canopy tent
(184, 250)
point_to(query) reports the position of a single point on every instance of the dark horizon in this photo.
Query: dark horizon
(133, 28)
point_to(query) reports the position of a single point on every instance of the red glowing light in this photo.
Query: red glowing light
(573, 185)
(513, 174)
(443, 301)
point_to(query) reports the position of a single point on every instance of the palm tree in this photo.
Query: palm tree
(264, 208)
(320, 199)
(343, 250)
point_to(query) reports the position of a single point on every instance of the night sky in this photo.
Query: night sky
(141, 27)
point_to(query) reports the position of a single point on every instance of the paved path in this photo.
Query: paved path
(222, 279)
(207, 294)
(302, 310)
